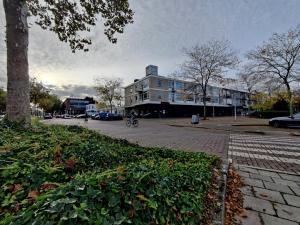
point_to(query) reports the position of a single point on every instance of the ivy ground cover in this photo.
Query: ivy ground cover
(70, 175)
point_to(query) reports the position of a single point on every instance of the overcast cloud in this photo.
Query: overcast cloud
(160, 31)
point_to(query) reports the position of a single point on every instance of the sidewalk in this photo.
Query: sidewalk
(270, 197)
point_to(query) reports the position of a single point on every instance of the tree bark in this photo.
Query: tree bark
(290, 97)
(18, 100)
(204, 106)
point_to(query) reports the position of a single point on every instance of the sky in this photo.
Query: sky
(160, 31)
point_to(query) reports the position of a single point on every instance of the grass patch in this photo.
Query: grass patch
(70, 175)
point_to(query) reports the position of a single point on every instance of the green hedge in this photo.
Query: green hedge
(97, 179)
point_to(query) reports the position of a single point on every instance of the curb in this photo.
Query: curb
(222, 184)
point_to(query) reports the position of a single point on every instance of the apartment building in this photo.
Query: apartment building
(163, 96)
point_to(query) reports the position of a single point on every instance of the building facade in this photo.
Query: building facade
(162, 96)
(75, 106)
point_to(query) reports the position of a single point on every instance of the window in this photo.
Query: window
(146, 95)
(189, 97)
(297, 115)
(171, 97)
(145, 84)
(159, 84)
(179, 85)
(178, 97)
(171, 84)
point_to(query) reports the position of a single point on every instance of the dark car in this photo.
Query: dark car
(47, 116)
(102, 116)
(112, 116)
(286, 121)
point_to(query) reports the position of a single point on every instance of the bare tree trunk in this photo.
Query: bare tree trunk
(18, 101)
(204, 107)
(290, 98)
(111, 107)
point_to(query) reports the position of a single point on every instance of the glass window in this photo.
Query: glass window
(179, 85)
(178, 97)
(146, 83)
(171, 84)
(171, 97)
(297, 115)
(146, 95)
(159, 84)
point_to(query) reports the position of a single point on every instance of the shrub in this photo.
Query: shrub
(67, 175)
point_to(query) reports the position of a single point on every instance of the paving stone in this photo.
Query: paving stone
(292, 200)
(296, 190)
(253, 182)
(247, 169)
(285, 182)
(261, 177)
(272, 220)
(258, 204)
(290, 177)
(288, 212)
(278, 187)
(266, 194)
(269, 173)
(244, 174)
(247, 190)
(251, 219)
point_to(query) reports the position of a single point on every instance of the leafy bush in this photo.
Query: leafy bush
(67, 175)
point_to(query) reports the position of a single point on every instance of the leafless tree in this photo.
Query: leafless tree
(207, 63)
(278, 60)
(247, 76)
(109, 91)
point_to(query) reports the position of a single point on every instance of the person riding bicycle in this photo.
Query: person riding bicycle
(132, 116)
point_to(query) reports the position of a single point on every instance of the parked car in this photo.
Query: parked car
(112, 116)
(66, 116)
(102, 116)
(47, 116)
(286, 121)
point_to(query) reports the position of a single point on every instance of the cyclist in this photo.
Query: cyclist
(132, 116)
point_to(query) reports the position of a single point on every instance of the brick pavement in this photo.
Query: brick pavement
(154, 133)
(270, 197)
(271, 152)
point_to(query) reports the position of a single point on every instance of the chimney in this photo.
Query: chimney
(151, 70)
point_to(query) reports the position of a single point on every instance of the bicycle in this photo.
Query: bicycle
(132, 122)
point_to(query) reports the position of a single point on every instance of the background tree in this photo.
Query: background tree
(249, 78)
(2, 100)
(37, 91)
(50, 104)
(207, 63)
(41, 96)
(278, 60)
(69, 20)
(109, 91)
